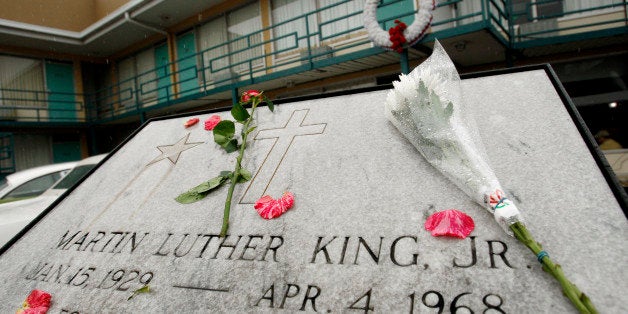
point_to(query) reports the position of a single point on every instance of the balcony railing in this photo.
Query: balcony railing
(556, 21)
(39, 106)
(283, 51)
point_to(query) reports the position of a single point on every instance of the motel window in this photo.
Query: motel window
(126, 85)
(215, 51)
(291, 33)
(334, 21)
(21, 83)
(137, 78)
(245, 40)
(231, 44)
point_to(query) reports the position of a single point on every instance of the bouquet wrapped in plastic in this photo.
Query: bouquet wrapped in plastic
(427, 107)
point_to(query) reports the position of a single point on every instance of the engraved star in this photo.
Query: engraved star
(172, 152)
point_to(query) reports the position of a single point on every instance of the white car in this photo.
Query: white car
(32, 182)
(14, 216)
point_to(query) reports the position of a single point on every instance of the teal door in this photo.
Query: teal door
(62, 104)
(186, 53)
(162, 66)
(66, 151)
(393, 9)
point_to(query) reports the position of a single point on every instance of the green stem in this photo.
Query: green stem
(236, 173)
(579, 299)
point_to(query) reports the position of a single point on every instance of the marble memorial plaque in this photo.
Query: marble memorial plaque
(354, 240)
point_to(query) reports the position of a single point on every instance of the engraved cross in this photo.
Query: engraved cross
(284, 137)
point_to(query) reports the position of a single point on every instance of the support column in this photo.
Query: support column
(509, 58)
(405, 64)
(268, 47)
(92, 140)
(115, 89)
(78, 88)
(79, 97)
(172, 57)
(235, 97)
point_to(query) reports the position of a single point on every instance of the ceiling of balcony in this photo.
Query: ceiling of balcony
(129, 24)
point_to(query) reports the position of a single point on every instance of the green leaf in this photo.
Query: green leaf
(251, 129)
(424, 95)
(239, 113)
(200, 191)
(423, 88)
(245, 175)
(210, 185)
(449, 110)
(231, 146)
(270, 104)
(223, 132)
(190, 197)
(437, 106)
(226, 174)
(144, 289)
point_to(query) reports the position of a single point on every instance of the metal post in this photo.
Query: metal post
(234, 95)
(405, 65)
(510, 58)
(93, 148)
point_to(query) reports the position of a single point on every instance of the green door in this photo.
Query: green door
(66, 151)
(186, 53)
(162, 66)
(394, 9)
(60, 85)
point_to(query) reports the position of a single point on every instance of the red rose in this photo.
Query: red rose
(246, 96)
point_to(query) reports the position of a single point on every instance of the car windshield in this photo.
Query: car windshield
(74, 176)
(35, 186)
(3, 183)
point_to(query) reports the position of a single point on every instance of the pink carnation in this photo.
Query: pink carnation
(211, 123)
(191, 122)
(269, 208)
(450, 222)
(37, 302)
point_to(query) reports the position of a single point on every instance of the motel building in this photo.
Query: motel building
(78, 76)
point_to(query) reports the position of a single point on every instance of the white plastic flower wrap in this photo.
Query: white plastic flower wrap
(427, 106)
(428, 109)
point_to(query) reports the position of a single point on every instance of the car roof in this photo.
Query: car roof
(32, 173)
(91, 160)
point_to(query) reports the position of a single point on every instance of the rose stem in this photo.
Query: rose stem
(579, 299)
(236, 173)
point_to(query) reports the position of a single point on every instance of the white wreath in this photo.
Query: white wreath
(416, 31)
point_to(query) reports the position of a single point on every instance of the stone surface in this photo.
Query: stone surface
(354, 239)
